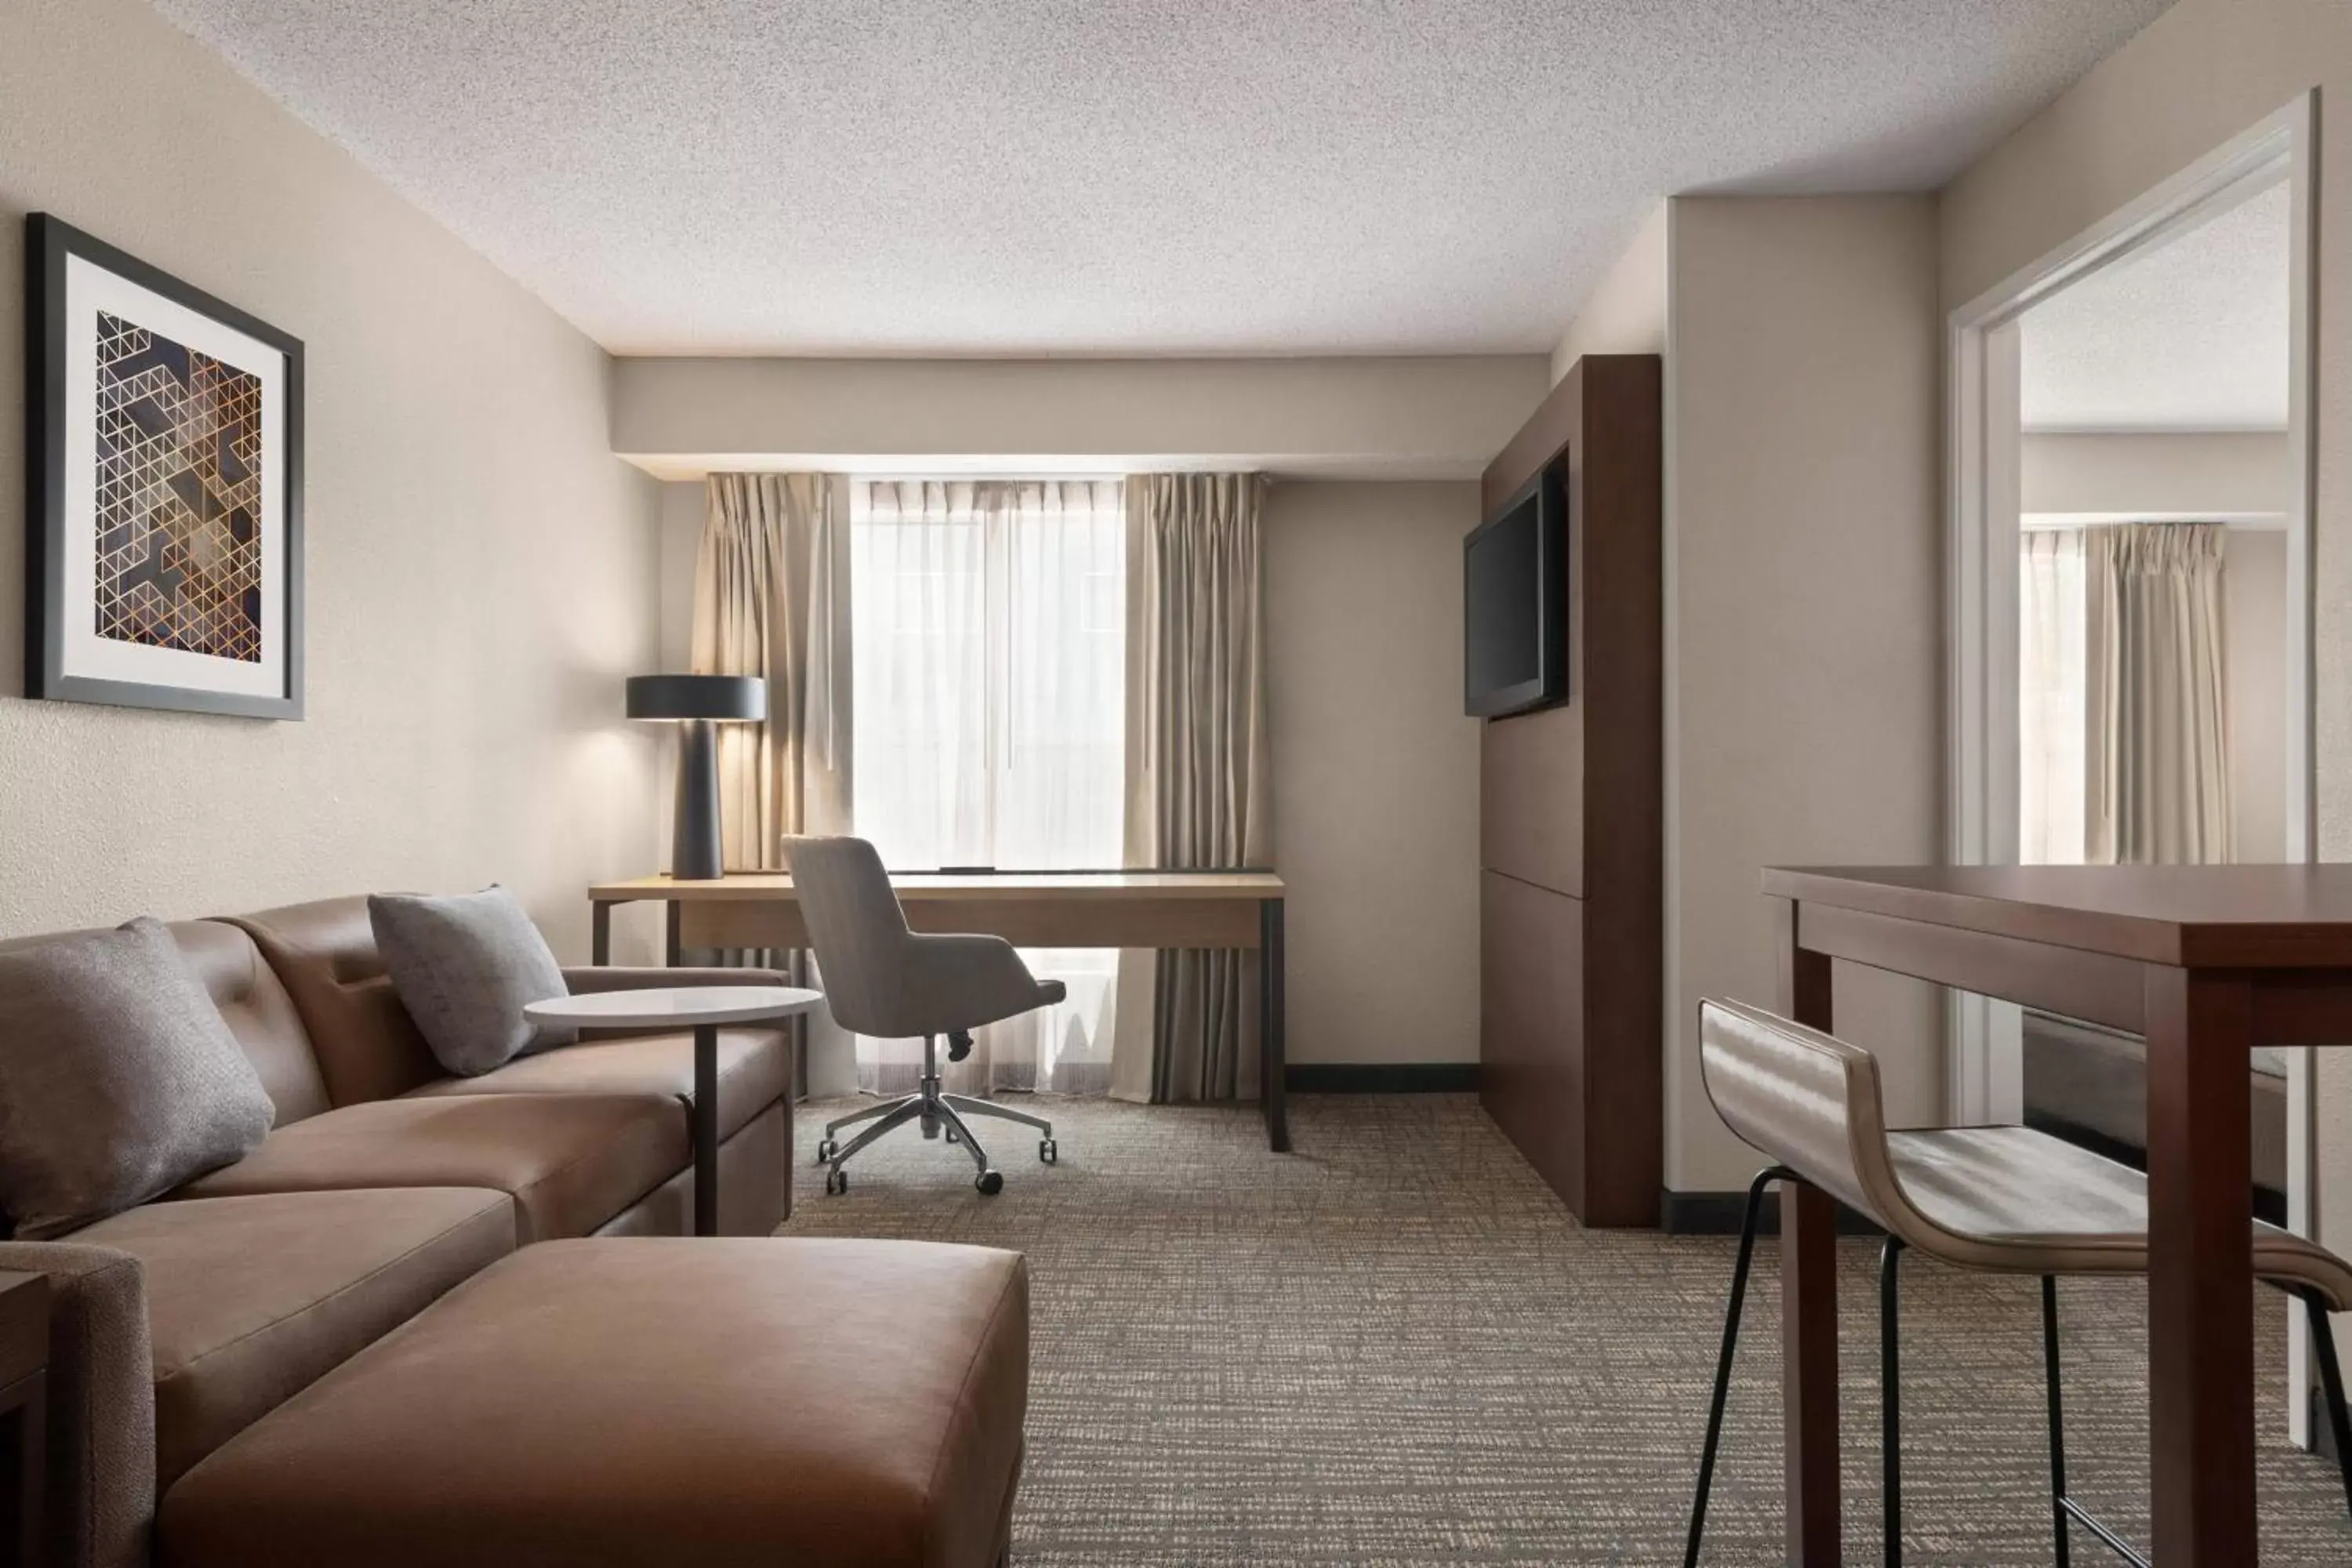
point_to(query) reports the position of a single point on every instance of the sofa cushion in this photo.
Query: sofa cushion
(368, 1046)
(755, 1071)
(250, 1300)
(720, 1402)
(466, 966)
(119, 1079)
(254, 1004)
(571, 1162)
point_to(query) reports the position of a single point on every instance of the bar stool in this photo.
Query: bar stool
(2005, 1199)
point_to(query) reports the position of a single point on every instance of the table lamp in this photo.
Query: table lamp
(698, 704)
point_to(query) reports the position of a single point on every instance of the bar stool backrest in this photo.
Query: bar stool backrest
(1808, 1100)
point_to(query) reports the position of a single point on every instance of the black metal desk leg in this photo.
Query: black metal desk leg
(600, 932)
(705, 1129)
(1271, 1024)
(669, 934)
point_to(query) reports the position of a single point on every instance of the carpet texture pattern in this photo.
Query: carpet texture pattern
(1394, 1348)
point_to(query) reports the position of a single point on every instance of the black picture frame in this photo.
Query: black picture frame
(49, 242)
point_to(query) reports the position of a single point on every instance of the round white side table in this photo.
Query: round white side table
(703, 1009)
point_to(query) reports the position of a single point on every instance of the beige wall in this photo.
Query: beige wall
(682, 511)
(1375, 769)
(1626, 311)
(1433, 418)
(2198, 74)
(478, 561)
(1804, 643)
(2156, 472)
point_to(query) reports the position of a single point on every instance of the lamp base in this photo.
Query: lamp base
(695, 855)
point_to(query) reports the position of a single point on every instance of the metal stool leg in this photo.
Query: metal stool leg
(2331, 1386)
(1890, 1395)
(2066, 1511)
(1723, 1360)
(2057, 1415)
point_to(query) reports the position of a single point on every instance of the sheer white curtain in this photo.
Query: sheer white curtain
(2052, 725)
(989, 660)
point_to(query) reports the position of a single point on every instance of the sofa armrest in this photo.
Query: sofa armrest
(102, 1402)
(610, 977)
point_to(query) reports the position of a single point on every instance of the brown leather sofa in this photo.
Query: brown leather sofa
(384, 1184)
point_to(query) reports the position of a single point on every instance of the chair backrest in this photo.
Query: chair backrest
(1806, 1100)
(856, 928)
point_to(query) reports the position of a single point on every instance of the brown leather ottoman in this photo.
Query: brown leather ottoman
(696, 1401)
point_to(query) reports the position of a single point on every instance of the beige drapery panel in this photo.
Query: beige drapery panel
(1199, 772)
(2157, 767)
(772, 599)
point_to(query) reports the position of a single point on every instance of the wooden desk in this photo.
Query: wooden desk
(1127, 909)
(2207, 962)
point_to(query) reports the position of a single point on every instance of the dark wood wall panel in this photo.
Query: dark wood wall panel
(1531, 1067)
(1572, 807)
(1531, 798)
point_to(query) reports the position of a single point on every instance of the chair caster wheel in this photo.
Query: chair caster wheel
(949, 1133)
(836, 1181)
(1049, 1151)
(826, 1151)
(990, 1184)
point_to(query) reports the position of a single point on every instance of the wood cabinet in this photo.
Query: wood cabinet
(1571, 826)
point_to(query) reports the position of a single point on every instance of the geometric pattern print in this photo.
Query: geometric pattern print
(179, 496)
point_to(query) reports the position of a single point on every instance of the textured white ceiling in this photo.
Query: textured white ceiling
(1126, 177)
(2192, 335)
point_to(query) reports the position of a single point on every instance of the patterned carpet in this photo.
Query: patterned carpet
(1393, 1348)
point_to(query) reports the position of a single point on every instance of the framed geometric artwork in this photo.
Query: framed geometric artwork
(163, 527)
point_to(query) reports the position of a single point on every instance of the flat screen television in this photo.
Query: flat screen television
(1515, 603)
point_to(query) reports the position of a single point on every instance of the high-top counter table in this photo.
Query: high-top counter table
(2208, 963)
(1212, 910)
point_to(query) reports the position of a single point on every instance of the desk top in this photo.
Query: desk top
(2234, 917)
(1061, 887)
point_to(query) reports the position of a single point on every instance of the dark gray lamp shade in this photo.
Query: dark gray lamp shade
(697, 702)
(721, 697)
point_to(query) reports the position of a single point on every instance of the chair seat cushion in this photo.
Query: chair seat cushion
(720, 1402)
(755, 1071)
(249, 1300)
(570, 1161)
(2011, 1197)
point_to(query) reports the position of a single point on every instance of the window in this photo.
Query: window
(988, 660)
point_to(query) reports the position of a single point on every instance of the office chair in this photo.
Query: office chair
(882, 979)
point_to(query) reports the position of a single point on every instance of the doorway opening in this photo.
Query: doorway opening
(2132, 483)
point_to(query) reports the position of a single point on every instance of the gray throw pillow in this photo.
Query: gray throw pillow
(119, 1079)
(466, 966)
